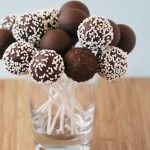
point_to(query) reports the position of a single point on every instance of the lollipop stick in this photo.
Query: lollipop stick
(62, 119)
(49, 117)
(54, 121)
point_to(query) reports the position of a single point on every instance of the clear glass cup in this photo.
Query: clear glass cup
(62, 114)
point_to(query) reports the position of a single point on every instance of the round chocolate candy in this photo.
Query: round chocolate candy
(128, 39)
(57, 40)
(112, 63)
(18, 56)
(8, 22)
(46, 66)
(80, 64)
(76, 5)
(116, 32)
(95, 33)
(70, 19)
(6, 39)
(50, 17)
(29, 27)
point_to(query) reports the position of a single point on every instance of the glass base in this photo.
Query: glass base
(75, 147)
(47, 143)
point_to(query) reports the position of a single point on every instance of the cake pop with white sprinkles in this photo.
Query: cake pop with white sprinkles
(18, 56)
(50, 17)
(46, 66)
(95, 33)
(29, 27)
(8, 22)
(112, 63)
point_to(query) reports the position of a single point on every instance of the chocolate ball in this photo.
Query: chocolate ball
(128, 39)
(76, 5)
(8, 22)
(29, 27)
(57, 40)
(116, 32)
(18, 56)
(6, 39)
(80, 64)
(46, 66)
(70, 19)
(112, 63)
(50, 17)
(95, 33)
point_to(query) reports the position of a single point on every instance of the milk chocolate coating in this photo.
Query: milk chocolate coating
(70, 19)
(116, 32)
(6, 39)
(128, 38)
(57, 40)
(76, 5)
(80, 64)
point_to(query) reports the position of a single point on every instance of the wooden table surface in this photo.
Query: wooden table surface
(122, 116)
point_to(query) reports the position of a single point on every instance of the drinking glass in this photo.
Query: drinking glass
(62, 114)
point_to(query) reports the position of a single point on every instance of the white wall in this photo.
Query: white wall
(131, 12)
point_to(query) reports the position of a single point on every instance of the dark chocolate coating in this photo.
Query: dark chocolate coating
(128, 39)
(116, 32)
(46, 66)
(6, 39)
(76, 5)
(80, 64)
(57, 40)
(70, 19)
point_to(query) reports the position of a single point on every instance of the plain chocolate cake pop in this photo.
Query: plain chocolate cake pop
(8, 22)
(50, 17)
(18, 56)
(80, 64)
(116, 32)
(95, 33)
(76, 5)
(70, 19)
(46, 66)
(29, 27)
(6, 39)
(112, 63)
(128, 39)
(57, 40)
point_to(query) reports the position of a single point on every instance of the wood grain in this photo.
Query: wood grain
(122, 119)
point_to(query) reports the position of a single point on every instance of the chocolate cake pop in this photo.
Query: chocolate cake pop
(70, 19)
(29, 27)
(95, 33)
(112, 63)
(128, 39)
(6, 39)
(116, 32)
(50, 17)
(80, 64)
(18, 56)
(57, 40)
(46, 66)
(8, 22)
(76, 5)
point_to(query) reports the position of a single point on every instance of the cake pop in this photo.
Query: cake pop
(112, 63)
(46, 66)
(6, 39)
(29, 27)
(57, 40)
(8, 22)
(80, 64)
(95, 33)
(76, 5)
(18, 56)
(128, 39)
